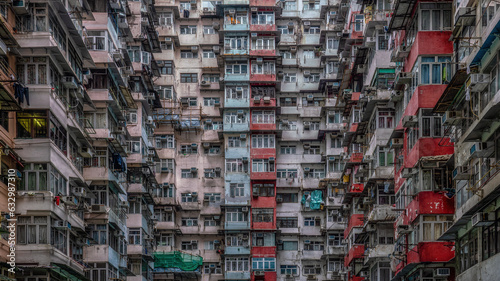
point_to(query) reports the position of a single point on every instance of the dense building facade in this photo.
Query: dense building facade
(309, 140)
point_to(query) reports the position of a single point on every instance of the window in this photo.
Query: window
(208, 29)
(385, 157)
(32, 124)
(189, 245)
(212, 197)
(214, 126)
(262, 165)
(290, 6)
(189, 221)
(164, 216)
(235, 118)
(237, 190)
(210, 78)
(286, 173)
(334, 239)
(312, 150)
(434, 226)
(435, 70)
(435, 16)
(288, 149)
(288, 197)
(187, 174)
(385, 235)
(263, 44)
(238, 67)
(188, 29)
(290, 77)
(431, 126)
(288, 101)
(263, 141)
(289, 269)
(235, 142)
(332, 67)
(332, 43)
(288, 246)
(236, 264)
(189, 149)
(165, 239)
(263, 117)
(236, 43)
(236, 92)
(468, 250)
(4, 120)
(265, 264)
(382, 41)
(188, 198)
(165, 141)
(336, 265)
(188, 54)
(212, 268)
(211, 101)
(283, 29)
(359, 21)
(263, 18)
(235, 166)
(35, 177)
(336, 165)
(165, 19)
(189, 78)
(237, 239)
(166, 68)
(310, 221)
(164, 191)
(313, 246)
(287, 222)
(263, 190)
(166, 165)
(238, 18)
(209, 54)
(385, 118)
(98, 41)
(99, 234)
(134, 236)
(32, 230)
(263, 68)
(212, 173)
(212, 150)
(288, 55)
(262, 215)
(312, 78)
(235, 215)
(314, 5)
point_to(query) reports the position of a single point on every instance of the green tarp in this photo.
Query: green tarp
(176, 259)
(314, 200)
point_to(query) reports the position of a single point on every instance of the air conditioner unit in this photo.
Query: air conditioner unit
(253, 34)
(168, 39)
(307, 170)
(333, 13)
(70, 200)
(408, 172)
(244, 159)
(194, 145)
(216, 49)
(194, 49)
(98, 209)
(307, 73)
(194, 194)
(70, 82)
(168, 209)
(244, 209)
(59, 224)
(307, 125)
(243, 136)
(461, 173)
(206, 144)
(306, 145)
(291, 24)
(481, 219)
(216, 25)
(451, 116)
(310, 97)
(367, 200)
(478, 82)
(293, 49)
(194, 169)
(480, 149)
(279, 199)
(363, 273)
(232, 11)
(267, 99)
(331, 159)
(79, 191)
(185, 101)
(255, 192)
(371, 228)
(204, 83)
(344, 241)
(165, 170)
(259, 60)
(124, 204)
(410, 121)
(208, 121)
(442, 272)
(271, 159)
(307, 23)
(360, 138)
(367, 158)
(259, 273)
(217, 102)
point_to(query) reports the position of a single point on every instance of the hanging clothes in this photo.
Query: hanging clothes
(26, 91)
(186, 13)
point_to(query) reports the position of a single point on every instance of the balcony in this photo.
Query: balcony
(236, 225)
(263, 77)
(355, 252)
(237, 250)
(356, 220)
(236, 127)
(426, 252)
(310, 183)
(378, 252)
(266, 28)
(237, 275)
(263, 3)
(237, 77)
(381, 213)
(263, 127)
(262, 102)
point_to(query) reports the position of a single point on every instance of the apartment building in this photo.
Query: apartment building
(309, 140)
